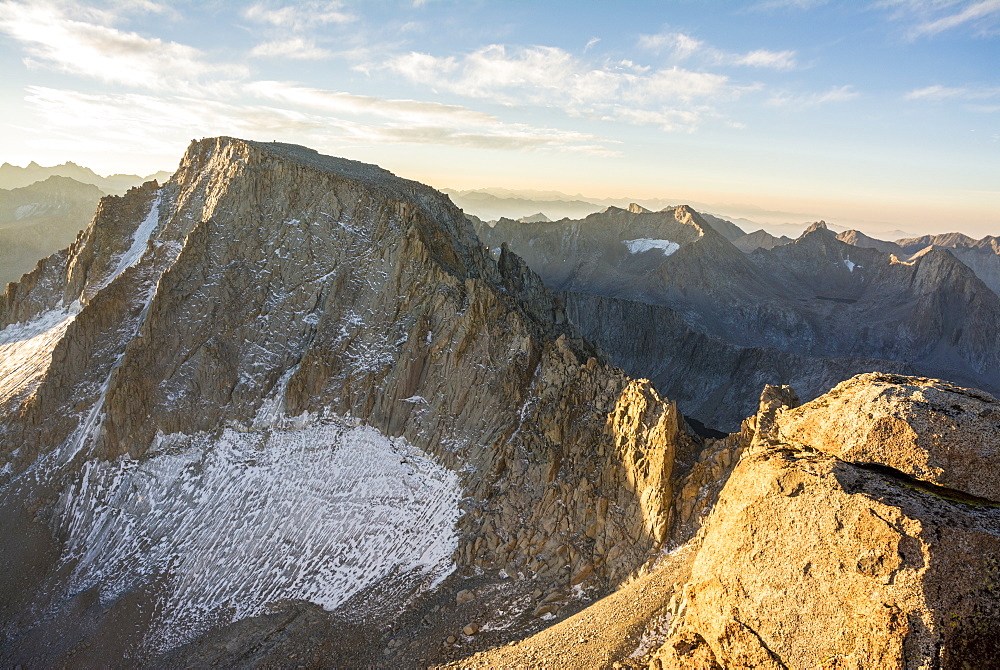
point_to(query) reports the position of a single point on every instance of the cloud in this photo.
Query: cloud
(551, 77)
(671, 121)
(931, 17)
(682, 47)
(777, 60)
(299, 16)
(938, 92)
(412, 111)
(970, 13)
(53, 39)
(295, 48)
(679, 45)
(156, 123)
(425, 122)
(835, 94)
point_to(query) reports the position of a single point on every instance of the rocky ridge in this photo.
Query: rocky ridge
(760, 239)
(13, 176)
(981, 256)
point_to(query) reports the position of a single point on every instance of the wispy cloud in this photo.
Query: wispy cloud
(803, 101)
(296, 48)
(324, 118)
(426, 122)
(299, 16)
(185, 93)
(931, 17)
(968, 14)
(938, 92)
(80, 47)
(682, 47)
(412, 111)
(552, 77)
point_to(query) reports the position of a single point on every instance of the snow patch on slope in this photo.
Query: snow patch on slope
(26, 348)
(645, 244)
(233, 523)
(849, 265)
(140, 239)
(24, 211)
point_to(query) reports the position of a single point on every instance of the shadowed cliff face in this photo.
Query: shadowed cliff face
(193, 364)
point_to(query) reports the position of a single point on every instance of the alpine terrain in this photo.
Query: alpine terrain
(673, 299)
(289, 410)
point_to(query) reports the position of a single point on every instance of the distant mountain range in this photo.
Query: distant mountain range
(492, 204)
(12, 176)
(708, 314)
(37, 220)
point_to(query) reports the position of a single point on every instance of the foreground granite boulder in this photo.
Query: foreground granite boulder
(857, 531)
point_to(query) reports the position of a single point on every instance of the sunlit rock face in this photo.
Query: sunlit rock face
(282, 377)
(853, 533)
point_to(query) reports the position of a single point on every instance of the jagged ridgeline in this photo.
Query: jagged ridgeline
(282, 377)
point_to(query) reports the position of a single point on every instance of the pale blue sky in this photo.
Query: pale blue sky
(882, 112)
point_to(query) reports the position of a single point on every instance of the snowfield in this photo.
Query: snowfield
(645, 244)
(232, 524)
(26, 349)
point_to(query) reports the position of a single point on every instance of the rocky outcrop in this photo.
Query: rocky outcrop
(822, 551)
(267, 296)
(926, 429)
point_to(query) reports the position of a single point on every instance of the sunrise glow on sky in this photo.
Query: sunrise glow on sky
(883, 112)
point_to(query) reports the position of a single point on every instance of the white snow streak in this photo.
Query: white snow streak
(139, 240)
(645, 244)
(26, 348)
(235, 523)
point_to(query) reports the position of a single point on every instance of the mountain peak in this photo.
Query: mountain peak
(637, 208)
(819, 225)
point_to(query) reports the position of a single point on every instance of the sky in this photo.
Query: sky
(878, 114)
